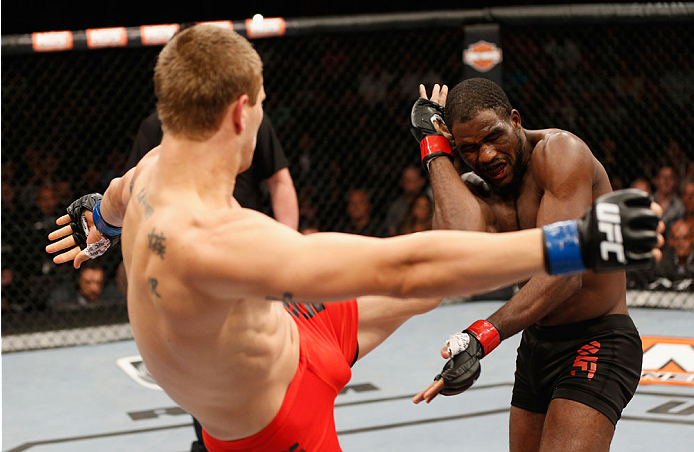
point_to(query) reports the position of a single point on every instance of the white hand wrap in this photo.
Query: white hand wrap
(458, 343)
(97, 249)
(93, 250)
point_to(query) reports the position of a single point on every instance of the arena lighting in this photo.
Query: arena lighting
(258, 18)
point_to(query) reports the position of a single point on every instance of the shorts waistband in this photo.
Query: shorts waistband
(581, 329)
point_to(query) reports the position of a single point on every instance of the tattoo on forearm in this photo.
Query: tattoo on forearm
(132, 181)
(152, 284)
(156, 242)
(142, 199)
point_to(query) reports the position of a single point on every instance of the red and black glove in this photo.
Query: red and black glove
(431, 143)
(466, 350)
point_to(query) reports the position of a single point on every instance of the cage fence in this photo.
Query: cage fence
(339, 99)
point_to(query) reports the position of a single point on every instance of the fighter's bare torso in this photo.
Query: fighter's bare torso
(600, 294)
(218, 358)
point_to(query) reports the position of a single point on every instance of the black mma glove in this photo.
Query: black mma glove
(466, 350)
(617, 233)
(431, 143)
(478, 186)
(80, 228)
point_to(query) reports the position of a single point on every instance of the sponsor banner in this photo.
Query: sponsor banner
(153, 35)
(220, 23)
(51, 41)
(106, 37)
(482, 56)
(667, 361)
(266, 27)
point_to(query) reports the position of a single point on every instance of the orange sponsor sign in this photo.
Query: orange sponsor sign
(220, 23)
(51, 41)
(152, 35)
(668, 361)
(266, 27)
(106, 37)
(482, 55)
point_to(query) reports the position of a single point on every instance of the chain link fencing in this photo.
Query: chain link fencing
(340, 103)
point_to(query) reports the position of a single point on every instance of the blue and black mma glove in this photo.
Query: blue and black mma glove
(618, 232)
(110, 235)
(431, 143)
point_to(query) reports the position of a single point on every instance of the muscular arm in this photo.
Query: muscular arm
(116, 198)
(256, 257)
(285, 206)
(455, 206)
(564, 169)
(117, 195)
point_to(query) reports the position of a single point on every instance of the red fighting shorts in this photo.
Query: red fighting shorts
(328, 347)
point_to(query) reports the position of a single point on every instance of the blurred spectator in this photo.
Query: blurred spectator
(89, 290)
(43, 214)
(90, 181)
(665, 195)
(12, 227)
(64, 194)
(412, 182)
(687, 196)
(47, 203)
(307, 210)
(7, 169)
(418, 216)
(39, 171)
(374, 82)
(14, 232)
(676, 269)
(41, 273)
(12, 287)
(612, 163)
(642, 184)
(359, 215)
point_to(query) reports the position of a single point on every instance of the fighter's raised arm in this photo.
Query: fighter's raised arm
(223, 259)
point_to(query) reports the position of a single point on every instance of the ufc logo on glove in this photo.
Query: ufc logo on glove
(610, 223)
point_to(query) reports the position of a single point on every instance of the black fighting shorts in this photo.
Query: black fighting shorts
(596, 362)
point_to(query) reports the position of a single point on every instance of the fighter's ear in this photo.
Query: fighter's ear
(239, 116)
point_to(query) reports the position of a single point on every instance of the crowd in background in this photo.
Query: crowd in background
(29, 275)
(342, 115)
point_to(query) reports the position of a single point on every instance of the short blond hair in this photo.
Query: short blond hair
(198, 74)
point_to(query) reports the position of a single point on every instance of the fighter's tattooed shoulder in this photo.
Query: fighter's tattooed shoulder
(142, 199)
(156, 242)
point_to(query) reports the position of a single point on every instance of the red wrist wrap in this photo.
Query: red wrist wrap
(434, 144)
(487, 334)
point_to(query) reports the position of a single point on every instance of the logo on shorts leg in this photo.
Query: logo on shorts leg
(586, 360)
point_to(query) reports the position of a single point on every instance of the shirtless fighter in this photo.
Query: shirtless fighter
(579, 361)
(214, 289)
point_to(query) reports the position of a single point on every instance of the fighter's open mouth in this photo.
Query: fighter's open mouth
(495, 171)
